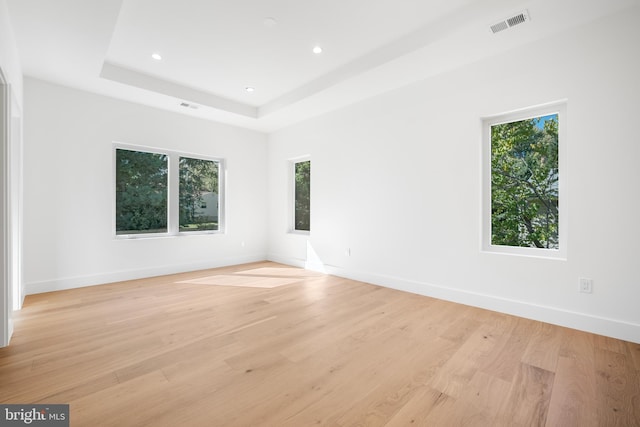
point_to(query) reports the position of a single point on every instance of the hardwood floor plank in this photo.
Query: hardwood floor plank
(427, 407)
(129, 403)
(189, 353)
(610, 344)
(529, 397)
(461, 329)
(618, 389)
(503, 361)
(633, 350)
(455, 374)
(574, 399)
(395, 389)
(481, 400)
(544, 346)
(370, 363)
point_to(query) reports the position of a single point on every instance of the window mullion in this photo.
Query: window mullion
(174, 191)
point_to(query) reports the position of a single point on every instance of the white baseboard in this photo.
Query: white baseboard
(294, 262)
(614, 328)
(119, 276)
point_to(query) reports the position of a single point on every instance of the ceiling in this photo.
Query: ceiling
(212, 50)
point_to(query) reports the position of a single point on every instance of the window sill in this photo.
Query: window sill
(550, 254)
(166, 235)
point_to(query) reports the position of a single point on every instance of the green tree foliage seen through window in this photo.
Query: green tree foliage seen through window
(524, 183)
(303, 196)
(198, 194)
(141, 192)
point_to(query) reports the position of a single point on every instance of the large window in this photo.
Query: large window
(523, 207)
(302, 195)
(163, 192)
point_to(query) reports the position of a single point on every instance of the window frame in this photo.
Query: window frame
(292, 195)
(559, 108)
(173, 191)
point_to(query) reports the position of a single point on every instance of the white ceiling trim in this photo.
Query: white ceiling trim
(129, 77)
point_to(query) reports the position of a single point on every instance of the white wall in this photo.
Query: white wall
(419, 149)
(9, 60)
(69, 199)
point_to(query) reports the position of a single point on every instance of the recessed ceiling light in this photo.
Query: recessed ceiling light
(156, 56)
(249, 89)
(317, 49)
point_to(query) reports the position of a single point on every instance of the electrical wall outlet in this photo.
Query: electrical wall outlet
(586, 285)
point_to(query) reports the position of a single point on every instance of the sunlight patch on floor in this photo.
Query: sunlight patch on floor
(243, 281)
(281, 272)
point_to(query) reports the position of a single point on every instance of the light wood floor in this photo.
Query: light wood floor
(229, 347)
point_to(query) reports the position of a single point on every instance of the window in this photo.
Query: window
(163, 192)
(302, 195)
(524, 211)
(198, 189)
(141, 192)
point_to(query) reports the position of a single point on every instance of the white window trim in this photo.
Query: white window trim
(291, 171)
(559, 108)
(173, 209)
(6, 307)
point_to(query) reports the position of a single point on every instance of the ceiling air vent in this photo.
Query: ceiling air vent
(187, 105)
(512, 21)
